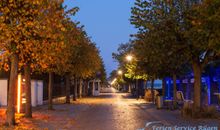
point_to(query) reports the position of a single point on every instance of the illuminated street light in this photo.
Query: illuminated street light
(120, 72)
(129, 58)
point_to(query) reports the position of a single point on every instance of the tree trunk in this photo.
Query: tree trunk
(133, 89)
(50, 91)
(80, 88)
(10, 119)
(129, 88)
(137, 89)
(67, 77)
(164, 87)
(86, 87)
(197, 85)
(152, 90)
(174, 88)
(75, 90)
(28, 107)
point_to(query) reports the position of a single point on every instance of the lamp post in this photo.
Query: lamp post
(130, 58)
(120, 72)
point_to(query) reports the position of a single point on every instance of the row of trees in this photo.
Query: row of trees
(175, 36)
(39, 36)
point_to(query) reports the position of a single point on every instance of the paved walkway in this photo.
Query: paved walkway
(109, 111)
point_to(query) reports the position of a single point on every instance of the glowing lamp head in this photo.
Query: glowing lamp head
(129, 58)
(120, 72)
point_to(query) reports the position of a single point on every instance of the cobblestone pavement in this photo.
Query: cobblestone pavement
(109, 111)
(120, 112)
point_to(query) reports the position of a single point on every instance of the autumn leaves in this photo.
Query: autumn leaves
(38, 35)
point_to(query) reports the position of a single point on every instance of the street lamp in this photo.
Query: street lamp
(120, 72)
(129, 57)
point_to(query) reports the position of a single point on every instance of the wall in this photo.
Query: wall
(36, 92)
(3, 92)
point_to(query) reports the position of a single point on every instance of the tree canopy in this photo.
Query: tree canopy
(40, 35)
(173, 34)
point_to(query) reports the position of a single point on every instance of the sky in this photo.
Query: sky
(107, 23)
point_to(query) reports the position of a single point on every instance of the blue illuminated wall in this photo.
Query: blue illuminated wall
(210, 85)
(157, 84)
(169, 88)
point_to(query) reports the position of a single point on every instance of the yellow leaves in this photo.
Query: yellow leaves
(6, 67)
(38, 33)
(63, 29)
(29, 23)
(43, 27)
(6, 10)
(37, 2)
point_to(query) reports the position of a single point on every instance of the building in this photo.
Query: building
(94, 87)
(36, 92)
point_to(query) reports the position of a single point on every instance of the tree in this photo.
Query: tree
(184, 27)
(202, 20)
(86, 61)
(70, 42)
(102, 72)
(82, 58)
(48, 53)
(71, 36)
(18, 28)
(32, 37)
(130, 68)
(159, 33)
(28, 30)
(31, 42)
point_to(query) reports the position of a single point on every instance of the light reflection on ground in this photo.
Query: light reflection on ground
(109, 111)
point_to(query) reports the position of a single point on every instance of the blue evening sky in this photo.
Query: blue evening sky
(107, 22)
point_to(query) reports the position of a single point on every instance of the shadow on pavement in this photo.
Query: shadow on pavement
(128, 96)
(106, 95)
